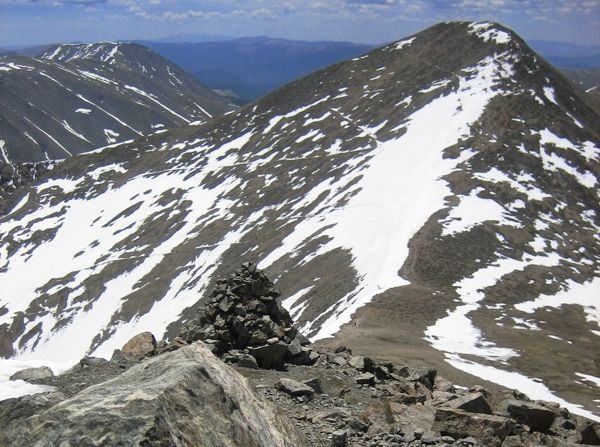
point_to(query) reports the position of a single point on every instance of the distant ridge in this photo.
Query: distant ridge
(77, 97)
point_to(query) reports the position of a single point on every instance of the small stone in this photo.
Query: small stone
(91, 361)
(340, 361)
(250, 267)
(302, 339)
(315, 384)
(472, 402)
(294, 348)
(488, 429)
(339, 438)
(258, 287)
(257, 338)
(365, 379)
(118, 357)
(426, 376)
(357, 362)
(313, 356)
(359, 424)
(247, 361)
(294, 388)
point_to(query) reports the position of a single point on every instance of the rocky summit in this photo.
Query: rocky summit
(432, 202)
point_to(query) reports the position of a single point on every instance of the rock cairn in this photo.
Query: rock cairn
(245, 323)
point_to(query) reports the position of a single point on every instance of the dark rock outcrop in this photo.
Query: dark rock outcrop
(182, 398)
(16, 175)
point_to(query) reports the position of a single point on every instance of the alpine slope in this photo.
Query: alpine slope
(437, 196)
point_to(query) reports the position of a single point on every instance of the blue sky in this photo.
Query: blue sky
(27, 22)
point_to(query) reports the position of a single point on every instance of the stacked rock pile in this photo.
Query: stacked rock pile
(244, 322)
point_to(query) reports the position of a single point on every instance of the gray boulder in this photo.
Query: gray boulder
(294, 388)
(488, 429)
(139, 346)
(269, 356)
(28, 374)
(472, 402)
(535, 416)
(182, 398)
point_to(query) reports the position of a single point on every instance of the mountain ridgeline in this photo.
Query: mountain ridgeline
(78, 97)
(434, 199)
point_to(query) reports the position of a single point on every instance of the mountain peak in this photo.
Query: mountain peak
(432, 193)
(106, 52)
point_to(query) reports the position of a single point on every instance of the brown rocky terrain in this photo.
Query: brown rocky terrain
(180, 394)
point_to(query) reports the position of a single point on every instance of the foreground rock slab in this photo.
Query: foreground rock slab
(183, 398)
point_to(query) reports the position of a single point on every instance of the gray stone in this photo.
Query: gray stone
(334, 414)
(426, 376)
(357, 362)
(91, 361)
(336, 360)
(269, 356)
(183, 398)
(294, 388)
(358, 424)
(536, 417)
(28, 374)
(118, 357)
(295, 347)
(302, 339)
(315, 384)
(247, 361)
(339, 438)
(472, 402)
(488, 429)
(365, 379)
(409, 418)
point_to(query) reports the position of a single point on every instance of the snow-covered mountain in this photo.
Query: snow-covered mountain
(77, 97)
(440, 194)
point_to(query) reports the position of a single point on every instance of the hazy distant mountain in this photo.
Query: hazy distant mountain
(192, 38)
(245, 69)
(251, 67)
(589, 81)
(78, 97)
(569, 55)
(436, 198)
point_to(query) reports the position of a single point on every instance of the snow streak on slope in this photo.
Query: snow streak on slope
(377, 223)
(90, 223)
